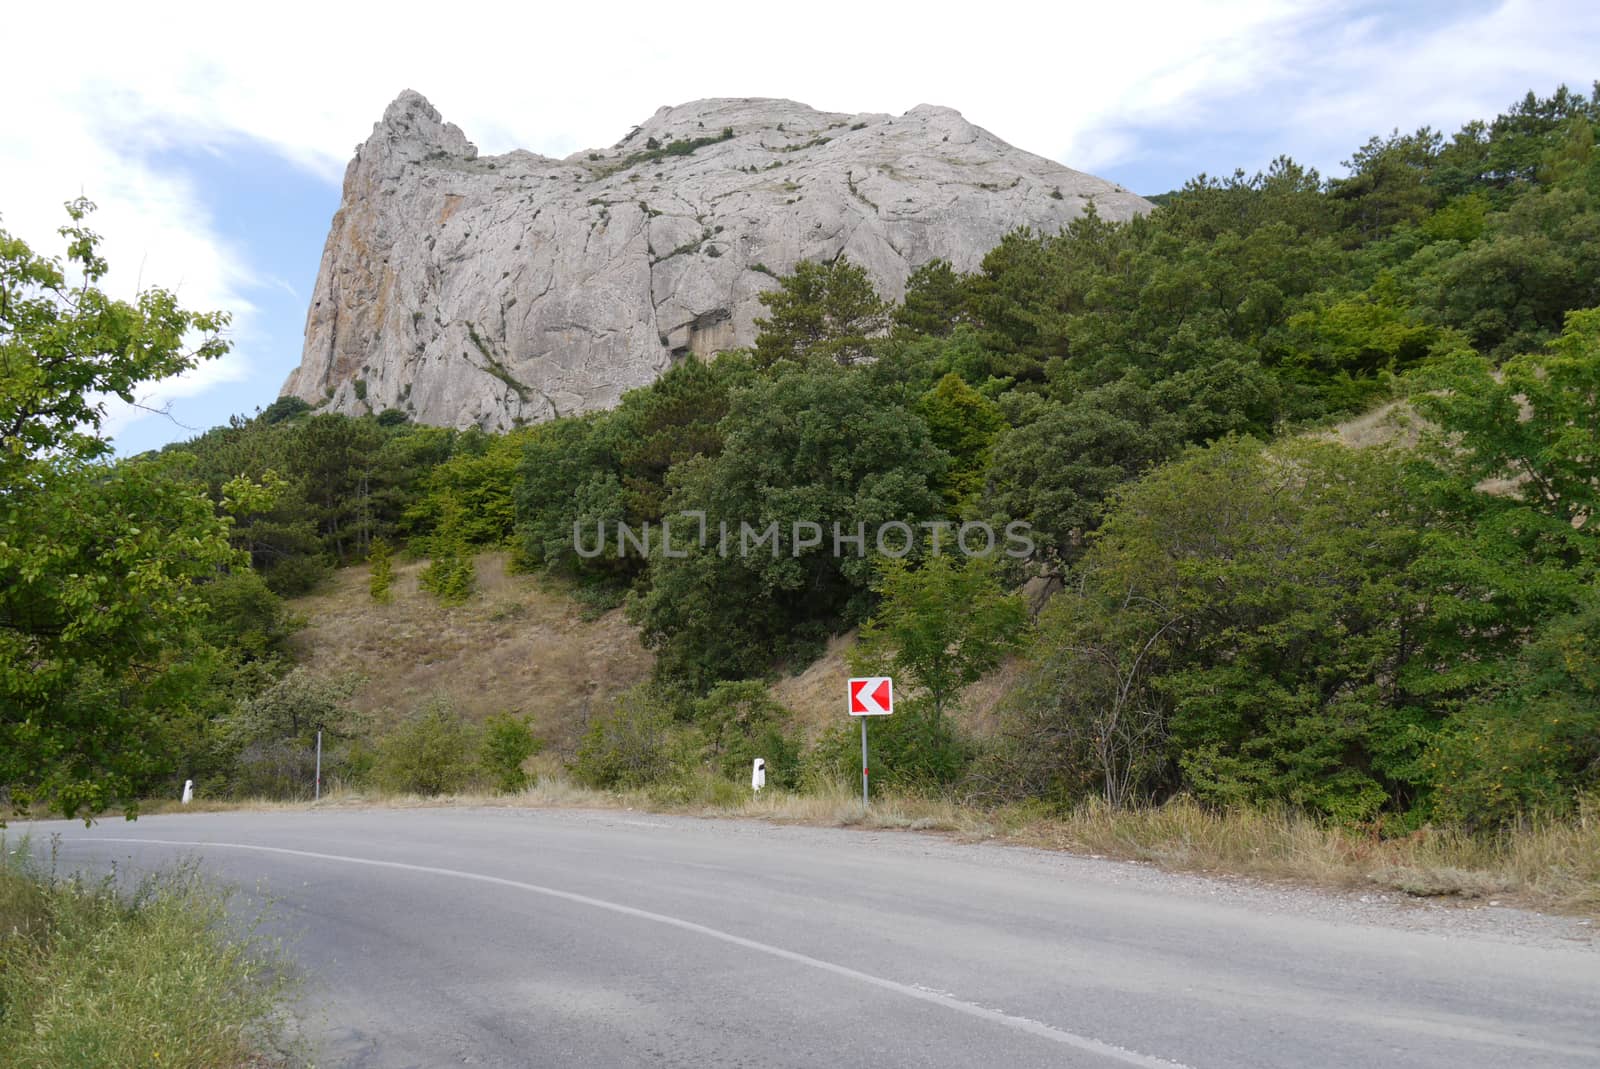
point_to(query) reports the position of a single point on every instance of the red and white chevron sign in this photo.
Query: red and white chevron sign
(872, 696)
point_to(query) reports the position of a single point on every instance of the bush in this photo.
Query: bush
(508, 741)
(450, 578)
(266, 747)
(296, 575)
(741, 722)
(913, 750)
(273, 768)
(633, 745)
(435, 752)
(1533, 748)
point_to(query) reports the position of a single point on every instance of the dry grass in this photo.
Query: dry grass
(816, 694)
(1547, 865)
(1394, 422)
(517, 646)
(1554, 865)
(95, 975)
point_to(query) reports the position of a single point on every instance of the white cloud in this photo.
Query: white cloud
(1088, 84)
(1342, 74)
(154, 228)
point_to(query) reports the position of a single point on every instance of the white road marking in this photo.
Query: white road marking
(937, 998)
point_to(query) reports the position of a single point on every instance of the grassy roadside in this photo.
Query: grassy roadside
(94, 977)
(1553, 866)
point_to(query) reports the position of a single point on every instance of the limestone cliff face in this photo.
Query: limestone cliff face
(496, 291)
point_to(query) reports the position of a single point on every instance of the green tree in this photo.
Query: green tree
(582, 477)
(1529, 423)
(827, 311)
(481, 477)
(64, 344)
(934, 301)
(808, 446)
(1057, 469)
(939, 626)
(381, 559)
(277, 529)
(964, 424)
(101, 659)
(450, 575)
(567, 483)
(1388, 182)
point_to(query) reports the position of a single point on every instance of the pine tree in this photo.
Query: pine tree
(450, 575)
(382, 560)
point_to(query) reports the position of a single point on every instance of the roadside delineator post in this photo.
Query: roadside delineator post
(188, 791)
(758, 774)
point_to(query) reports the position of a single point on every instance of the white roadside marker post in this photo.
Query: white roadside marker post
(758, 774)
(188, 791)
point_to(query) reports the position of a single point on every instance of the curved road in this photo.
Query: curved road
(502, 937)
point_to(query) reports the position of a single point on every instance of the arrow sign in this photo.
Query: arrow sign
(872, 696)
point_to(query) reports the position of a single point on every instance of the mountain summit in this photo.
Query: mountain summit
(495, 291)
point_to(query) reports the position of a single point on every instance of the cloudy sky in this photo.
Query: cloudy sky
(214, 141)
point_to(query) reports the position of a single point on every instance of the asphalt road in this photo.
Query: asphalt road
(453, 937)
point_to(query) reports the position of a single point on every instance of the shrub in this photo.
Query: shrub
(450, 577)
(741, 722)
(267, 743)
(1534, 747)
(296, 575)
(435, 752)
(508, 741)
(273, 768)
(632, 745)
(913, 750)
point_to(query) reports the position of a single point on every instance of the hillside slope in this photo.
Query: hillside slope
(522, 645)
(517, 646)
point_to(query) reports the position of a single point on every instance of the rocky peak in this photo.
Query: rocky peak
(413, 130)
(495, 291)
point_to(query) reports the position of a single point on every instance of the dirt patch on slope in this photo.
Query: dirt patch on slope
(518, 646)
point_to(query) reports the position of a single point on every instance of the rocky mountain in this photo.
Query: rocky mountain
(496, 291)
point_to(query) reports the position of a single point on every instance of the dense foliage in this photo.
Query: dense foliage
(104, 662)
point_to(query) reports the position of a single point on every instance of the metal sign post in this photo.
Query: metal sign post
(870, 696)
(863, 762)
(318, 795)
